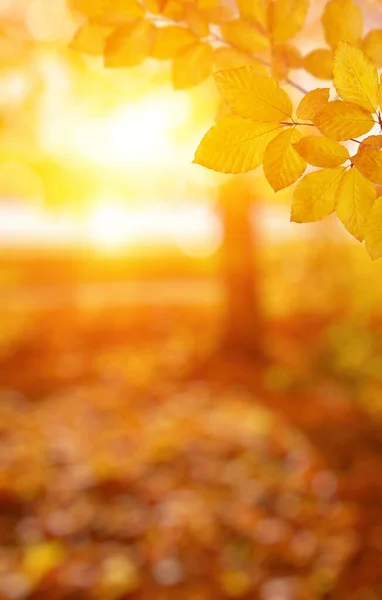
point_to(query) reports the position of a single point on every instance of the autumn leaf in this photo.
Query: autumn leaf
(170, 41)
(196, 22)
(90, 38)
(253, 96)
(342, 21)
(192, 65)
(355, 198)
(109, 12)
(285, 57)
(312, 103)
(129, 45)
(372, 46)
(343, 120)
(315, 195)
(374, 141)
(230, 58)
(244, 36)
(355, 77)
(369, 160)
(256, 11)
(235, 145)
(282, 164)
(321, 151)
(217, 14)
(286, 18)
(319, 63)
(373, 231)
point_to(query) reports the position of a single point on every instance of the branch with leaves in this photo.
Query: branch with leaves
(250, 49)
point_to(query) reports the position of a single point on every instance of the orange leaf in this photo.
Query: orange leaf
(369, 161)
(372, 46)
(322, 152)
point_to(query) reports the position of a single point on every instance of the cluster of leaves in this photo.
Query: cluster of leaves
(199, 36)
(264, 130)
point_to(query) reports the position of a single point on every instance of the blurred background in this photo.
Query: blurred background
(190, 385)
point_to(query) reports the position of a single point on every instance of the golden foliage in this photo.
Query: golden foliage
(343, 120)
(256, 11)
(235, 145)
(355, 77)
(319, 63)
(312, 103)
(229, 58)
(282, 163)
(315, 195)
(244, 36)
(321, 151)
(342, 21)
(286, 18)
(369, 161)
(253, 96)
(355, 198)
(192, 65)
(372, 46)
(90, 38)
(129, 45)
(170, 40)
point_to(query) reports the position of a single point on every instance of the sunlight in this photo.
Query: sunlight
(135, 134)
(108, 225)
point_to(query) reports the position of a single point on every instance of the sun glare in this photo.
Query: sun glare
(135, 134)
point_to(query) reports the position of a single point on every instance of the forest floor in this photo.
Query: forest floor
(136, 466)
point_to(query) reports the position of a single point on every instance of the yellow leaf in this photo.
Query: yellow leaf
(192, 65)
(154, 6)
(373, 231)
(282, 164)
(286, 18)
(285, 57)
(235, 145)
(91, 38)
(217, 14)
(244, 35)
(229, 58)
(110, 12)
(196, 22)
(41, 558)
(342, 120)
(312, 103)
(256, 11)
(321, 152)
(315, 195)
(355, 77)
(342, 21)
(129, 45)
(170, 41)
(355, 198)
(369, 161)
(174, 10)
(319, 63)
(253, 96)
(372, 46)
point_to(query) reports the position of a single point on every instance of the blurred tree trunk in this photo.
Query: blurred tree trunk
(239, 260)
